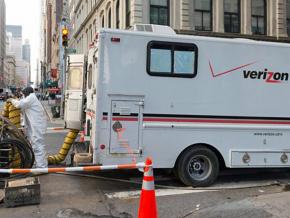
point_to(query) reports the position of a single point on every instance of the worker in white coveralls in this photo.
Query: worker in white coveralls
(34, 119)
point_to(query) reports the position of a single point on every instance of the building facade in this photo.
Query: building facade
(43, 43)
(255, 19)
(56, 18)
(26, 51)
(51, 24)
(15, 48)
(2, 40)
(15, 41)
(22, 72)
(10, 72)
(26, 57)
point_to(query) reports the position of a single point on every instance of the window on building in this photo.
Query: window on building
(91, 34)
(259, 17)
(90, 76)
(118, 14)
(159, 12)
(109, 18)
(86, 6)
(82, 43)
(128, 13)
(203, 15)
(86, 40)
(102, 21)
(172, 59)
(94, 28)
(288, 17)
(232, 19)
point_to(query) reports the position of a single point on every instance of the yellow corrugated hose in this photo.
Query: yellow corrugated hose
(63, 151)
(13, 114)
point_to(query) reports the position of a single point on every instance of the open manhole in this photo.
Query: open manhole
(286, 187)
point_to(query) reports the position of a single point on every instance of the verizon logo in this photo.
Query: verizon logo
(267, 76)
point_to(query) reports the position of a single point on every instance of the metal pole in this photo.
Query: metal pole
(62, 105)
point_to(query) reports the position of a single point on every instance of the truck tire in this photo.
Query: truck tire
(198, 166)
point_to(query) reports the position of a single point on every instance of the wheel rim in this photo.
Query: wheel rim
(199, 167)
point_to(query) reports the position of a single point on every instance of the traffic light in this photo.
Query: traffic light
(64, 37)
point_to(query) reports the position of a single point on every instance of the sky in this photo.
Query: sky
(27, 14)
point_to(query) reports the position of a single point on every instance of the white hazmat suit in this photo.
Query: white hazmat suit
(35, 122)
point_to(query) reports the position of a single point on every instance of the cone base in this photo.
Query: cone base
(148, 206)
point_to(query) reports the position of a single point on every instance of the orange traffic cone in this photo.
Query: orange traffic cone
(148, 207)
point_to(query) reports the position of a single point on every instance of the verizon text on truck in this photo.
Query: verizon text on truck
(194, 104)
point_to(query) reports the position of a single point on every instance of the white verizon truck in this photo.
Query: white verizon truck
(191, 103)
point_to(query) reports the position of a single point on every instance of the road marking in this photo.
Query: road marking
(158, 193)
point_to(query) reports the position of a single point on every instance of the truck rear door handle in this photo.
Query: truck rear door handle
(140, 103)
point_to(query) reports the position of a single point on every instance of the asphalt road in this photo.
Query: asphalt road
(237, 193)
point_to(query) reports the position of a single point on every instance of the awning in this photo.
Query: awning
(53, 90)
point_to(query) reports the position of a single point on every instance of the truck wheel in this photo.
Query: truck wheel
(198, 166)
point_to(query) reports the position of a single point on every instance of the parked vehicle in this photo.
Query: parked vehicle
(7, 93)
(191, 103)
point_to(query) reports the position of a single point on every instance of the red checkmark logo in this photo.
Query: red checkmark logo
(228, 71)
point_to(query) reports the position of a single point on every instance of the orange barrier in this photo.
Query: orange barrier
(148, 206)
(73, 169)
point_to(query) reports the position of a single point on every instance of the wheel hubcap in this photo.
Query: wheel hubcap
(199, 167)
(196, 166)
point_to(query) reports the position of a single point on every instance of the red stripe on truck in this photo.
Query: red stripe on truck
(195, 120)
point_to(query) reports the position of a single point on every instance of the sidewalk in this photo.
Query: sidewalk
(54, 122)
(275, 205)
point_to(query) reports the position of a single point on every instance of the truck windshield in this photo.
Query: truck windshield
(75, 79)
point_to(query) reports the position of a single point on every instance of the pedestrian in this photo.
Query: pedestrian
(35, 122)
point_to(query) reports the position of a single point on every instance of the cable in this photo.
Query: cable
(10, 124)
(165, 186)
(23, 153)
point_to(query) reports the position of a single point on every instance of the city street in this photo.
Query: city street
(237, 193)
(113, 104)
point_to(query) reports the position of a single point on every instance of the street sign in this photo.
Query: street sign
(71, 50)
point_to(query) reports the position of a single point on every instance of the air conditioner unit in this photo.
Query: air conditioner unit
(154, 28)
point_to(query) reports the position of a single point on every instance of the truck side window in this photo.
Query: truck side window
(172, 59)
(160, 60)
(184, 61)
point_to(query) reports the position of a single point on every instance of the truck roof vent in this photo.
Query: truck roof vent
(153, 28)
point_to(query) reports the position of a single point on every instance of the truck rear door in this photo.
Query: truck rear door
(74, 96)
